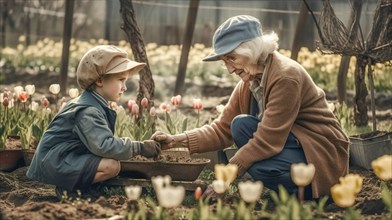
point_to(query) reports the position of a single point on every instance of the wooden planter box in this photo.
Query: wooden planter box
(365, 148)
(10, 159)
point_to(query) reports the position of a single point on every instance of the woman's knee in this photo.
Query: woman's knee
(243, 123)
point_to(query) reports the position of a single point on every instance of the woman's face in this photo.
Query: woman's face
(240, 65)
(112, 86)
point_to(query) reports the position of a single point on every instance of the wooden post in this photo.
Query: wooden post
(187, 41)
(67, 33)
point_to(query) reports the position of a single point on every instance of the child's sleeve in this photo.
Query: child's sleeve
(95, 134)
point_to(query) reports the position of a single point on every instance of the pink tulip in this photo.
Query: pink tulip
(175, 100)
(197, 104)
(6, 102)
(153, 111)
(131, 103)
(135, 109)
(144, 102)
(165, 107)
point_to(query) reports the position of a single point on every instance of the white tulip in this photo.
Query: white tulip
(159, 182)
(73, 93)
(302, 174)
(34, 106)
(18, 90)
(219, 186)
(250, 191)
(54, 89)
(30, 89)
(133, 192)
(46, 111)
(171, 196)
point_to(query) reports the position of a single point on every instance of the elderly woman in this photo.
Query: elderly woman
(276, 114)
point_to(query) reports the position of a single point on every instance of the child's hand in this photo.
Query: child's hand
(150, 148)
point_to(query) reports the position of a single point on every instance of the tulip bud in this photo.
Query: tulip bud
(5, 102)
(164, 107)
(73, 93)
(197, 104)
(352, 180)
(130, 104)
(175, 100)
(17, 90)
(219, 186)
(382, 167)
(34, 106)
(144, 102)
(133, 192)
(23, 96)
(135, 109)
(45, 102)
(250, 191)
(159, 182)
(30, 89)
(302, 174)
(171, 196)
(198, 193)
(343, 195)
(153, 111)
(54, 89)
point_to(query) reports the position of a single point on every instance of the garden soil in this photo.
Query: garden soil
(22, 198)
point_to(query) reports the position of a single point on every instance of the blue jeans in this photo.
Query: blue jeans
(274, 170)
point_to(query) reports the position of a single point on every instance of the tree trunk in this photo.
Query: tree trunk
(67, 33)
(4, 12)
(146, 83)
(303, 15)
(345, 61)
(360, 107)
(186, 46)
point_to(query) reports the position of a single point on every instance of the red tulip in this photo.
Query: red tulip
(23, 96)
(197, 104)
(198, 193)
(45, 102)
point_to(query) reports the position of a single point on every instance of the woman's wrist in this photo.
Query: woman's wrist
(181, 139)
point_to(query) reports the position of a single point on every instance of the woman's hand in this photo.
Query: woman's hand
(168, 141)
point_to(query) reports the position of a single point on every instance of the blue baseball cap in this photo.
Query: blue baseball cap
(231, 33)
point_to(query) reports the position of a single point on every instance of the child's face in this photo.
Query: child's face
(111, 87)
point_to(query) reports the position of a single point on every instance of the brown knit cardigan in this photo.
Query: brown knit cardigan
(293, 103)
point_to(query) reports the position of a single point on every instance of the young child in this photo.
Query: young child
(78, 148)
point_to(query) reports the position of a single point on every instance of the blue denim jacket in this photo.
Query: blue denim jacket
(79, 136)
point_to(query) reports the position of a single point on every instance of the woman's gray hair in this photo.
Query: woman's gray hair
(259, 47)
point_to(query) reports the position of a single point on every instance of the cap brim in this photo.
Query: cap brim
(212, 57)
(127, 65)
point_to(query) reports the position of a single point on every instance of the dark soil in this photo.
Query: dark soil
(22, 198)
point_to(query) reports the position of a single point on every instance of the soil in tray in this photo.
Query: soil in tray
(168, 159)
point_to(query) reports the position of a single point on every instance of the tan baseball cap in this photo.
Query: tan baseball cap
(102, 60)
